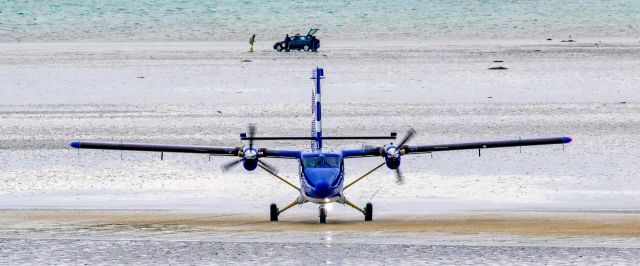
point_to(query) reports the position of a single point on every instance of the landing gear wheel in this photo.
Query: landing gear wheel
(306, 47)
(274, 212)
(323, 215)
(368, 212)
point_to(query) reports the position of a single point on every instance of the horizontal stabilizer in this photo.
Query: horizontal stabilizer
(243, 136)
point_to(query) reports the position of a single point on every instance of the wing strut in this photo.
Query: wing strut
(293, 203)
(363, 176)
(279, 177)
(354, 206)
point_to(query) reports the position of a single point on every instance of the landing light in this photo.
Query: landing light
(329, 206)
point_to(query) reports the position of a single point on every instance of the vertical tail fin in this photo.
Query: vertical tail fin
(316, 124)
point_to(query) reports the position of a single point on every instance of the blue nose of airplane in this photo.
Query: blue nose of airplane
(322, 182)
(322, 189)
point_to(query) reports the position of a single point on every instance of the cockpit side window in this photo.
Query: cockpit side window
(331, 161)
(311, 161)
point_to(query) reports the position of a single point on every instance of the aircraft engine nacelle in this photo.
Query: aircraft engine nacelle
(391, 156)
(250, 159)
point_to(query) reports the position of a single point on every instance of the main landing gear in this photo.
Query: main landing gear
(368, 212)
(274, 212)
(322, 211)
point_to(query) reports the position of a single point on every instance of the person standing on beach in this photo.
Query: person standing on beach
(251, 41)
(287, 40)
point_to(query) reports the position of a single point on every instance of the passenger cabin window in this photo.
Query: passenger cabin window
(321, 161)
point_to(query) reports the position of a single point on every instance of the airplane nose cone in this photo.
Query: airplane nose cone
(322, 182)
(322, 189)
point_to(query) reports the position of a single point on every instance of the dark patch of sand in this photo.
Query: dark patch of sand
(509, 222)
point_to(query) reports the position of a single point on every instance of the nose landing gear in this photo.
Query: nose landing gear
(323, 214)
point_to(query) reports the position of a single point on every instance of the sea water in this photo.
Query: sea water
(145, 251)
(231, 20)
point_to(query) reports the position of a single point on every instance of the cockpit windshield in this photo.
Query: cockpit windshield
(324, 160)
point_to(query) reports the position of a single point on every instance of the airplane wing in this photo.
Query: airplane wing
(409, 149)
(484, 145)
(211, 150)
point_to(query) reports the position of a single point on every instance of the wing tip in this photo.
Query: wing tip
(75, 144)
(567, 139)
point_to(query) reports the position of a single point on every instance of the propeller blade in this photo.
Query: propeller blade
(410, 133)
(251, 133)
(271, 168)
(229, 165)
(399, 177)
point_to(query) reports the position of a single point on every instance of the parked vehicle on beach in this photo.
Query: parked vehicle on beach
(300, 42)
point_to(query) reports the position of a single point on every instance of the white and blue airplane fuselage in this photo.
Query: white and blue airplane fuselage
(322, 177)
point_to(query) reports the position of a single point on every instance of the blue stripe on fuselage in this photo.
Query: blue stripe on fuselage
(319, 139)
(318, 112)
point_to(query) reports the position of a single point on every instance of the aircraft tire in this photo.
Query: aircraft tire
(368, 212)
(274, 212)
(323, 215)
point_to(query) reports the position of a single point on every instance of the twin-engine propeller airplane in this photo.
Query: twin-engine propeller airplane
(321, 170)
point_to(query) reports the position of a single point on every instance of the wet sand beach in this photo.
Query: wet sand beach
(534, 205)
(467, 238)
(179, 72)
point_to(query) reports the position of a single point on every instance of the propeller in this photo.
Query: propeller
(394, 153)
(410, 134)
(229, 165)
(251, 133)
(268, 166)
(399, 177)
(250, 154)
